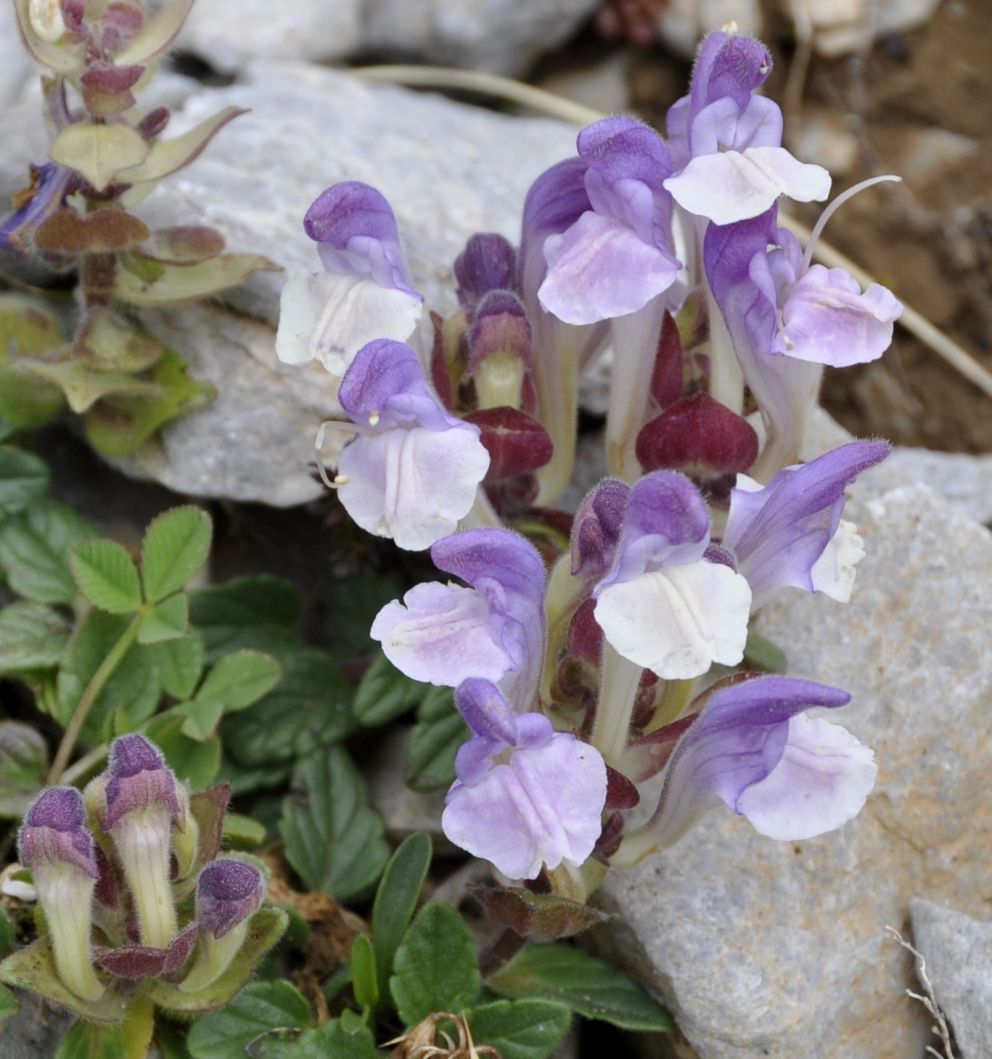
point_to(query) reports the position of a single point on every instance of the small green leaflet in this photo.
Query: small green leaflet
(23, 479)
(521, 1029)
(258, 1008)
(175, 547)
(34, 551)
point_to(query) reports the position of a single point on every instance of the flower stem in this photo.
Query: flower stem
(619, 681)
(97, 683)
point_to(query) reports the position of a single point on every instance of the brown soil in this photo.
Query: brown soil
(929, 239)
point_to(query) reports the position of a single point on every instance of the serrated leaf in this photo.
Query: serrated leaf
(83, 384)
(120, 423)
(106, 576)
(252, 612)
(23, 766)
(581, 982)
(436, 966)
(259, 1007)
(333, 1040)
(333, 837)
(265, 928)
(34, 547)
(395, 902)
(308, 708)
(175, 548)
(23, 479)
(87, 1041)
(522, 1029)
(385, 693)
(239, 679)
(179, 283)
(168, 620)
(363, 974)
(194, 761)
(167, 156)
(179, 664)
(32, 636)
(434, 741)
(98, 152)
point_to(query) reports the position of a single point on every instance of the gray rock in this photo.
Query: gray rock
(775, 949)
(958, 951)
(964, 480)
(34, 1031)
(16, 65)
(229, 33)
(503, 36)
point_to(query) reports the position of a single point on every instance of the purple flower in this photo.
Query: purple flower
(228, 892)
(444, 634)
(366, 291)
(526, 797)
(790, 532)
(753, 748)
(728, 142)
(56, 845)
(617, 256)
(488, 263)
(662, 604)
(413, 470)
(50, 184)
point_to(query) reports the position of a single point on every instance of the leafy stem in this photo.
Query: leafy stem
(97, 683)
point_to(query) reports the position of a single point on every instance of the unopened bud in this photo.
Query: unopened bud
(488, 263)
(499, 350)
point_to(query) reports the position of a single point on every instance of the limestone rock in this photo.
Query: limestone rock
(683, 23)
(958, 951)
(840, 27)
(15, 64)
(35, 1030)
(762, 948)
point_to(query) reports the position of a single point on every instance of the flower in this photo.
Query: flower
(753, 748)
(365, 292)
(526, 796)
(663, 604)
(445, 634)
(413, 469)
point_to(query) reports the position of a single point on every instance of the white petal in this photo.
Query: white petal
(735, 185)
(679, 620)
(821, 782)
(330, 317)
(440, 634)
(834, 572)
(412, 485)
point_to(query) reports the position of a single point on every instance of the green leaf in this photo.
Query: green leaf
(385, 693)
(333, 837)
(194, 761)
(27, 328)
(334, 1040)
(8, 1003)
(84, 384)
(395, 901)
(308, 708)
(202, 717)
(522, 1029)
(120, 424)
(106, 576)
(98, 152)
(253, 612)
(259, 1007)
(23, 766)
(763, 655)
(34, 551)
(8, 933)
(87, 1041)
(239, 679)
(436, 967)
(529, 914)
(434, 741)
(109, 343)
(168, 620)
(32, 636)
(581, 982)
(166, 156)
(156, 35)
(23, 479)
(179, 283)
(363, 974)
(179, 663)
(175, 547)
(243, 830)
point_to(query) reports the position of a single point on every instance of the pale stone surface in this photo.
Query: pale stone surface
(683, 23)
(15, 65)
(843, 26)
(958, 951)
(778, 949)
(34, 1031)
(229, 33)
(405, 811)
(966, 481)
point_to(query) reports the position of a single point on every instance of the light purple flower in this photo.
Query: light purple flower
(50, 184)
(663, 604)
(228, 892)
(526, 796)
(728, 142)
(366, 291)
(617, 256)
(444, 634)
(413, 470)
(488, 263)
(790, 533)
(754, 748)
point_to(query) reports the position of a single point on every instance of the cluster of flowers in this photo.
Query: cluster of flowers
(114, 868)
(582, 685)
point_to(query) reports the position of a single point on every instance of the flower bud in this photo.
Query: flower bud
(228, 894)
(487, 263)
(499, 350)
(55, 844)
(143, 801)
